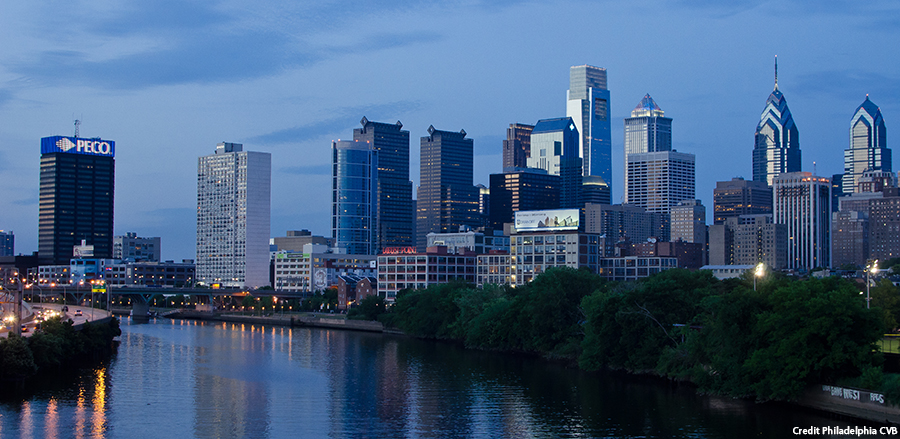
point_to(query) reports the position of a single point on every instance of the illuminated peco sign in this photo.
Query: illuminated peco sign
(75, 145)
(398, 251)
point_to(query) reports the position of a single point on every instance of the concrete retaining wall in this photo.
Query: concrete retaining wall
(855, 403)
(302, 320)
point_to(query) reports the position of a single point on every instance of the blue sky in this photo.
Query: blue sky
(167, 80)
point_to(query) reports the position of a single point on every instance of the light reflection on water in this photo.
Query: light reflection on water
(179, 378)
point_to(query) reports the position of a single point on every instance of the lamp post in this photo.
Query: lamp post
(870, 269)
(760, 270)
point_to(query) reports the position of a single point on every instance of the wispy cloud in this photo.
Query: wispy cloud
(307, 170)
(847, 84)
(344, 119)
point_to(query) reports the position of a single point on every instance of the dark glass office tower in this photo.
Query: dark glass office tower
(394, 214)
(777, 149)
(517, 146)
(76, 197)
(446, 198)
(520, 189)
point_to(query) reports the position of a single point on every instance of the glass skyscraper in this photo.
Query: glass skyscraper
(394, 211)
(777, 147)
(446, 198)
(517, 145)
(554, 148)
(354, 197)
(76, 197)
(868, 146)
(647, 130)
(588, 106)
(233, 217)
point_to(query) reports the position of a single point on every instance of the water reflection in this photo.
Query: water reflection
(228, 380)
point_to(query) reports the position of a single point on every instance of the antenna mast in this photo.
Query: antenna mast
(776, 72)
(77, 124)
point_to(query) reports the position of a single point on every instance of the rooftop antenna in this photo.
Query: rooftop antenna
(776, 72)
(814, 168)
(77, 124)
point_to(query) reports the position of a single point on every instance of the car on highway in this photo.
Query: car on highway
(78, 313)
(24, 328)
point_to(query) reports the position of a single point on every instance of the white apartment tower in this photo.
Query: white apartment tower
(233, 214)
(803, 203)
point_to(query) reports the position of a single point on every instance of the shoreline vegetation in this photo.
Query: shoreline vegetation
(724, 337)
(57, 347)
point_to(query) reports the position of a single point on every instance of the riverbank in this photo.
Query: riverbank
(299, 320)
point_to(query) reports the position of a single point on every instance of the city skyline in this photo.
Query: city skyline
(158, 85)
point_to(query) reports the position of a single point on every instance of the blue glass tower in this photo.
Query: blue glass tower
(777, 147)
(554, 148)
(354, 197)
(588, 106)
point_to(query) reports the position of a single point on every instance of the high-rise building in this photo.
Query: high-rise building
(394, 215)
(233, 217)
(620, 222)
(659, 180)
(647, 130)
(803, 202)
(849, 238)
(521, 189)
(884, 222)
(517, 145)
(354, 198)
(76, 197)
(868, 149)
(688, 222)
(7, 243)
(777, 147)
(446, 198)
(484, 204)
(136, 248)
(588, 106)
(756, 238)
(554, 148)
(741, 197)
(594, 190)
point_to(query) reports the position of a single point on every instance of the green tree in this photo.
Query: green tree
(886, 297)
(16, 360)
(369, 308)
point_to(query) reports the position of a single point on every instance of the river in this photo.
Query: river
(181, 378)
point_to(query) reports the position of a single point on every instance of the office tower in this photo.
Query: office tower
(756, 238)
(594, 190)
(446, 198)
(554, 148)
(484, 204)
(688, 222)
(394, 217)
(621, 222)
(740, 197)
(884, 222)
(233, 214)
(647, 130)
(136, 248)
(76, 197)
(777, 147)
(849, 238)
(875, 181)
(803, 202)
(354, 200)
(588, 106)
(7, 243)
(658, 181)
(837, 191)
(517, 145)
(521, 189)
(868, 145)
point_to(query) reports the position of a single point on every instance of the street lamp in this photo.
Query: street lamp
(760, 270)
(870, 269)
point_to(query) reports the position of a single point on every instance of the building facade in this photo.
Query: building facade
(755, 239)
(803, 203)
(470, 242)
(588, 106)
(647, 130)
(777, 148)
(446, 198)
(7, 243)
(395, 210)
(521, 189)
(657, 181)
(884, 225)
(233, 217)
(554, 148)
(315, 269)
(421, 269)
(77, 188)
(620, 222)
(354, 200)
(868, 146)
(849, 238)
(136, 248)
(738, 197)
(517, 146)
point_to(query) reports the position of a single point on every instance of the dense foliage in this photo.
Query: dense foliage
(722, 335)
(56, 345)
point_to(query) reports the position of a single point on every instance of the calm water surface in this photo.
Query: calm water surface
(179, 378)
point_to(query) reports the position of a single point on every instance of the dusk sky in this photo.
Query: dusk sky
(167, 80)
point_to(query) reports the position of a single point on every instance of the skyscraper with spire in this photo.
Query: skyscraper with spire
(647, 130)
(777, 147)
(588, 106)
(868, 146)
